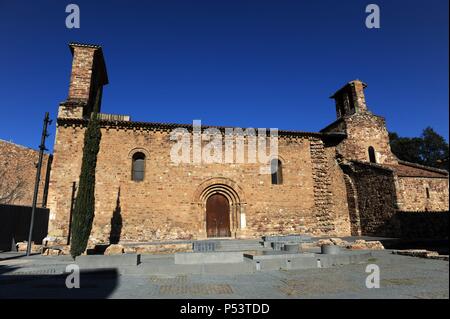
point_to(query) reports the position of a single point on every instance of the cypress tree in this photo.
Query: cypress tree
(84, 206)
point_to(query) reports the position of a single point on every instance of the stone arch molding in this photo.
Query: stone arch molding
(235, 195)
(222, 185)
(278, 157)
(139, 150)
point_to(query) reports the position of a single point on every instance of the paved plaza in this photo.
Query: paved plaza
(401, 277)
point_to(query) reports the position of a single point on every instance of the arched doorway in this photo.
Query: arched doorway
(232, 201)
(217, 216)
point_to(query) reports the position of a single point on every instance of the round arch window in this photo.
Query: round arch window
(138, 167)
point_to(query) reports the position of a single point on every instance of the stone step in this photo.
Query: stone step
(227, 245)
(240, 246)
(237, 242)
(240, 249)
(234, 246)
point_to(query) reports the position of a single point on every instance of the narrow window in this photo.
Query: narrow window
(277, 172)
(341, 103)
(351, 102)
(372, 158)
(138, 167)
(428, 192)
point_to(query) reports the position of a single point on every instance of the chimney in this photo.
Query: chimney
(350, 99)
(86, 81)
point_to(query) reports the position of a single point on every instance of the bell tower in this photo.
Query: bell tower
(87, 79)
(350, 99)
(367, 138)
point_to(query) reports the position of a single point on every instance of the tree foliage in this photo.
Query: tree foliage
(429, 149)
(84, 206)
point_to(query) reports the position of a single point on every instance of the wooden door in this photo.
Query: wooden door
(217, 216)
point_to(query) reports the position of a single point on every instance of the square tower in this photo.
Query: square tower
(367, 138)
(87, 79)
(350, 99)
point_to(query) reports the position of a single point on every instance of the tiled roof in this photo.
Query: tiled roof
(405, 169)
(383, 167)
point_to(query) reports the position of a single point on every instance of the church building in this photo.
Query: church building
(343, 180)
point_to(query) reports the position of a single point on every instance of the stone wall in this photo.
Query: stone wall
(168, 203)
(353, 208)
(340, 208)
(66, 167)
(323, 196)
(413, 195)
(374, 198)
(19, 164)
(364, 130)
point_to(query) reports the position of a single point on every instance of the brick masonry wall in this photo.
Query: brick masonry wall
(81, 75)
(66, 166)
(316, 196)
(412, 194)
(87, 77)
(20, 162)
(168, 205)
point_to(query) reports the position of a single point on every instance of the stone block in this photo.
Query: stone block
(101, 261)
(330, 249)
(114, 250)
(22, 247)
(227, 257)
(366, 245)
(291, 247)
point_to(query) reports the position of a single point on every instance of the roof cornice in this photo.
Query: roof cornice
(156, 126)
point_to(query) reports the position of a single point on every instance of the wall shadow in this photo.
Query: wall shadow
(15, 225)
(94, 284)
(116, 222)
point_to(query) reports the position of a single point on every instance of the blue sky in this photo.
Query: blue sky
(238, 63)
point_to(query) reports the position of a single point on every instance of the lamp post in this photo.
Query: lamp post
(42, 148)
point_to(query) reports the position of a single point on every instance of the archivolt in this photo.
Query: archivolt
(220, 185)
(138, 150)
